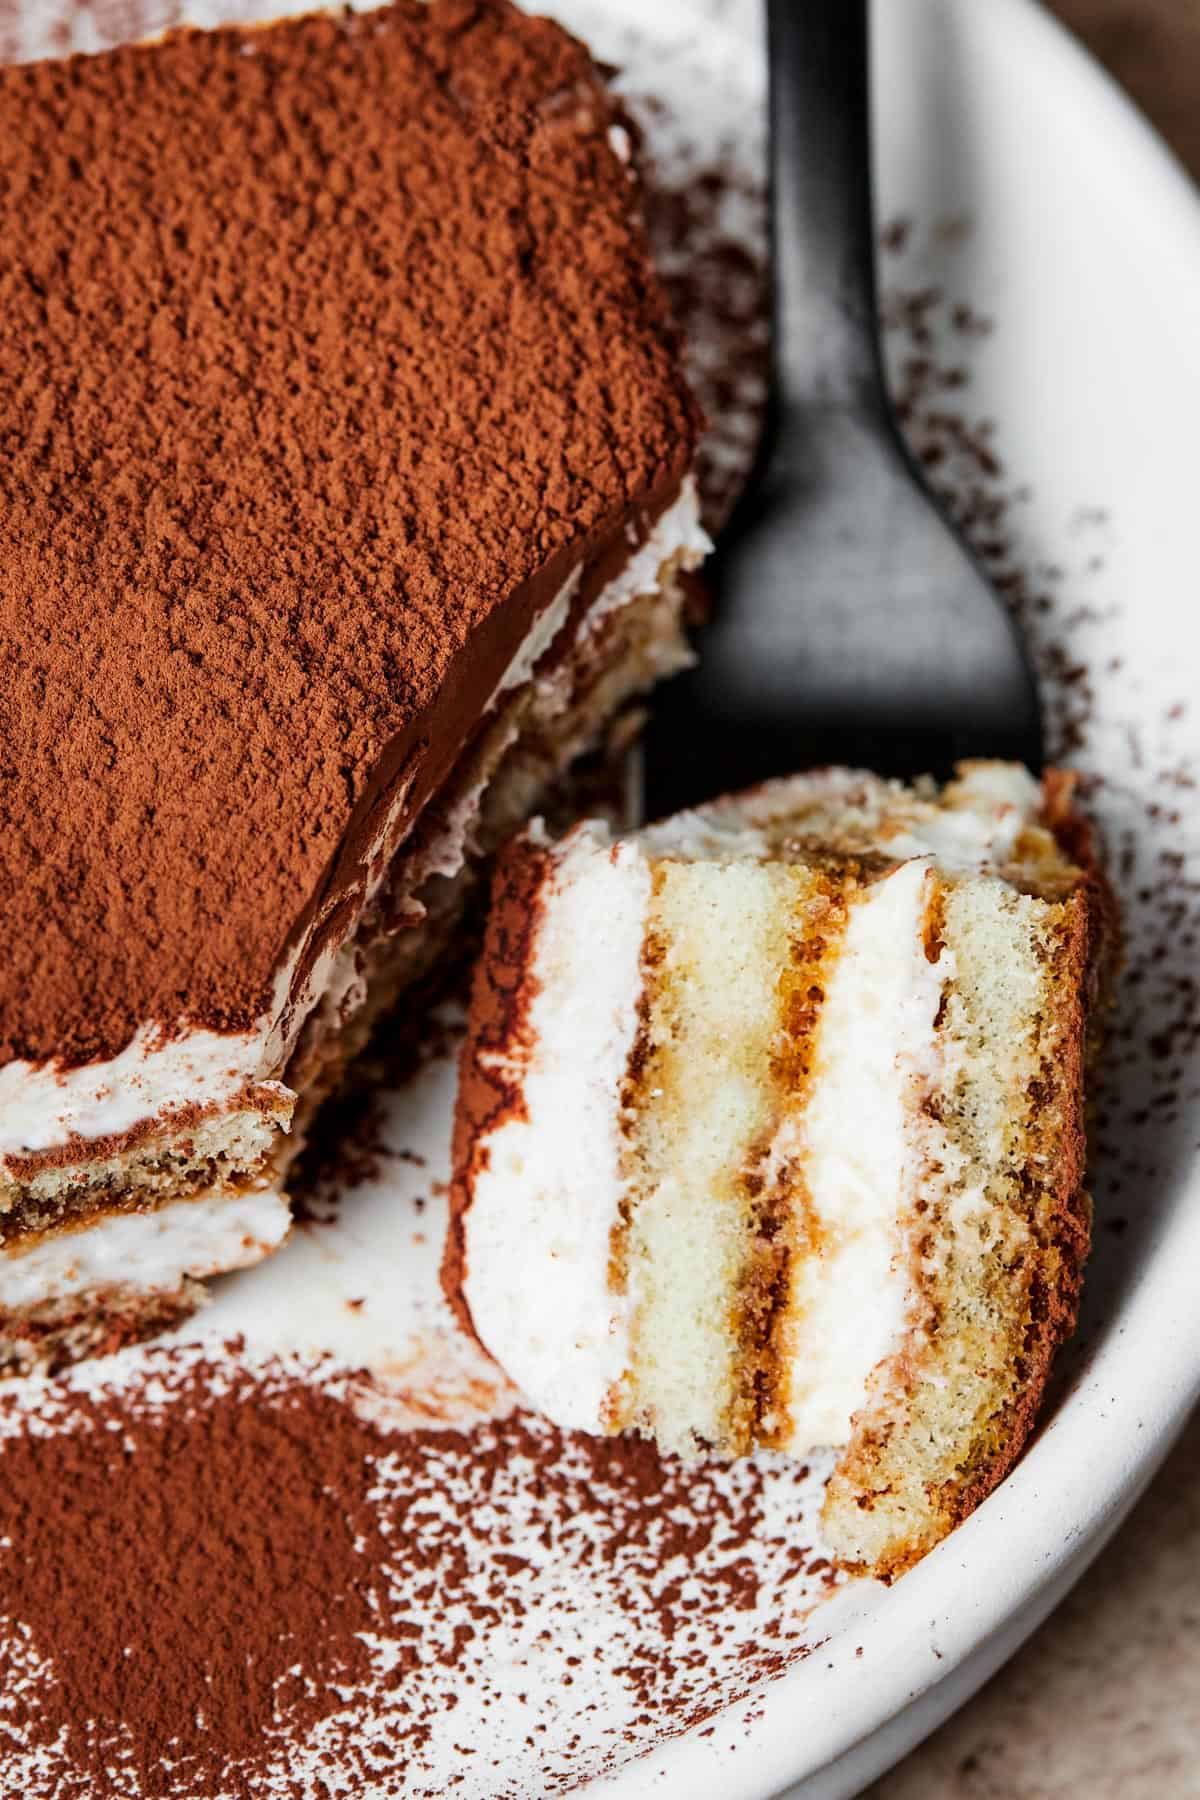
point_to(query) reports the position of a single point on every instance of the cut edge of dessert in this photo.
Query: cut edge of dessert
(771, 1131)
(126, 1180)
(101, 1249)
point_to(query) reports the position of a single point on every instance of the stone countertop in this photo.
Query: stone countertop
(1153, 48)
(1103, 1703)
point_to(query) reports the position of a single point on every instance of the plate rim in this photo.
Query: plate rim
(1157, 1315)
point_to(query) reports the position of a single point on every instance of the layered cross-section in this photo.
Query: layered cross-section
(346, 497)
(771, 1131)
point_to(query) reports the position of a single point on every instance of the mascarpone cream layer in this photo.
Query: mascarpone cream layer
(150, 1252)
(859, 1142)
(548, 1184)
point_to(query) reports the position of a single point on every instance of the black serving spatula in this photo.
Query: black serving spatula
(851, 624)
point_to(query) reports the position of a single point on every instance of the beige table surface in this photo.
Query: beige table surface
(1104, 1703)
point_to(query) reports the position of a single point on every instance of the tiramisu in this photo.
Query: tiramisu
(345, 495)
(771, 1134)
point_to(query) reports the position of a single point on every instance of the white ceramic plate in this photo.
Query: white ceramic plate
(1036, 199)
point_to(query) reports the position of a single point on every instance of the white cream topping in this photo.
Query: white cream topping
(446, 849)
(993, 804)
(619, 143)
(549, 1185)
(538, 639)
(974, 827)
(42, 1105)
(677, 533)
(858, 1139)
(148, 1251)
(677, 530)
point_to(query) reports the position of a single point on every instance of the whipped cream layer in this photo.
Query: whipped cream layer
(151, 1252)
(860, 1142)
(549, 1185)
(166, 1078)
(42, 1107)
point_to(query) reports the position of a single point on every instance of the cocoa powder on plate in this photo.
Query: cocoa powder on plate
(194, 1576)
(221, 1580)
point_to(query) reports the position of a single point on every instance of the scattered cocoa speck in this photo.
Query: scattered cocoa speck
(1140, 762)
(969, 323)
(895, 235)
(707, 225)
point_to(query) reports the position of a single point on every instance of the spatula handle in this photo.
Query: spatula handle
(826, 348)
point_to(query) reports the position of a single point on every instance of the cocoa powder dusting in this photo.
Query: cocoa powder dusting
(176, 1570)
(227, 1581)
(330, 348)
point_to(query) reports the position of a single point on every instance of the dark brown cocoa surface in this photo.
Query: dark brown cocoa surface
(330, 349)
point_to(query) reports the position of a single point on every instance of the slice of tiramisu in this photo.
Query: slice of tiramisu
(345, 494)
(770, 1132)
